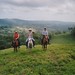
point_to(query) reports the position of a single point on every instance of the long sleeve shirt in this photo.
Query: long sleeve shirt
(44, 32)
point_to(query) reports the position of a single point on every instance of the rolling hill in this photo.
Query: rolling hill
(51, 25)
(59, 59)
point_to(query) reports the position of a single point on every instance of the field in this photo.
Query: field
(59, 59)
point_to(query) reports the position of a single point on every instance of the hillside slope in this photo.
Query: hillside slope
(63, 39)
(59, 59)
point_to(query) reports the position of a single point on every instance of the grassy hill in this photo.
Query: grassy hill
(59, 59)
(63, 39)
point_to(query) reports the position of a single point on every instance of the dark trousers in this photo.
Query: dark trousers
(18, 42)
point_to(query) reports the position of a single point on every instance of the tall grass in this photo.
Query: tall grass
(59, 59)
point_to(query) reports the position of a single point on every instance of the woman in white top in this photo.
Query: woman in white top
(30, 35)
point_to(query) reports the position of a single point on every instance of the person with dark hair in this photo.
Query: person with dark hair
(16, 37)
(44, 33)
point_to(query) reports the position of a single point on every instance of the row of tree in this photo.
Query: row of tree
(72, 31)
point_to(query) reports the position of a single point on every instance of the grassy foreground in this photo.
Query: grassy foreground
(59, 59)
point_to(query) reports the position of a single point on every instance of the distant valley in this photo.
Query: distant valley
(37, 25)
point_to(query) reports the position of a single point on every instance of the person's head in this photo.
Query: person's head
(45, 28)
(30, 30)
(15, 31)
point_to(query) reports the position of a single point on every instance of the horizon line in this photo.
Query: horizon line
(36, 20)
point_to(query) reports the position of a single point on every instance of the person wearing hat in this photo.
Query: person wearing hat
(16, 37)
(30, 35)
(44, 33)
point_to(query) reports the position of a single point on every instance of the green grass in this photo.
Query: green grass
(59, 59)
(63, 39)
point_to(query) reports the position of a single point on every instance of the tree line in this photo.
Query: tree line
(7, 38)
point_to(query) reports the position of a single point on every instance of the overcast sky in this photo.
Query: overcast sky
(61, 10)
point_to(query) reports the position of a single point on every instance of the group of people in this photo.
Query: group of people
(30, 35)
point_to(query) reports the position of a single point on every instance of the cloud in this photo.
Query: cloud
(34, 3)
(38, 9)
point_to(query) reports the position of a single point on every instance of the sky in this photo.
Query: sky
(57, 10)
